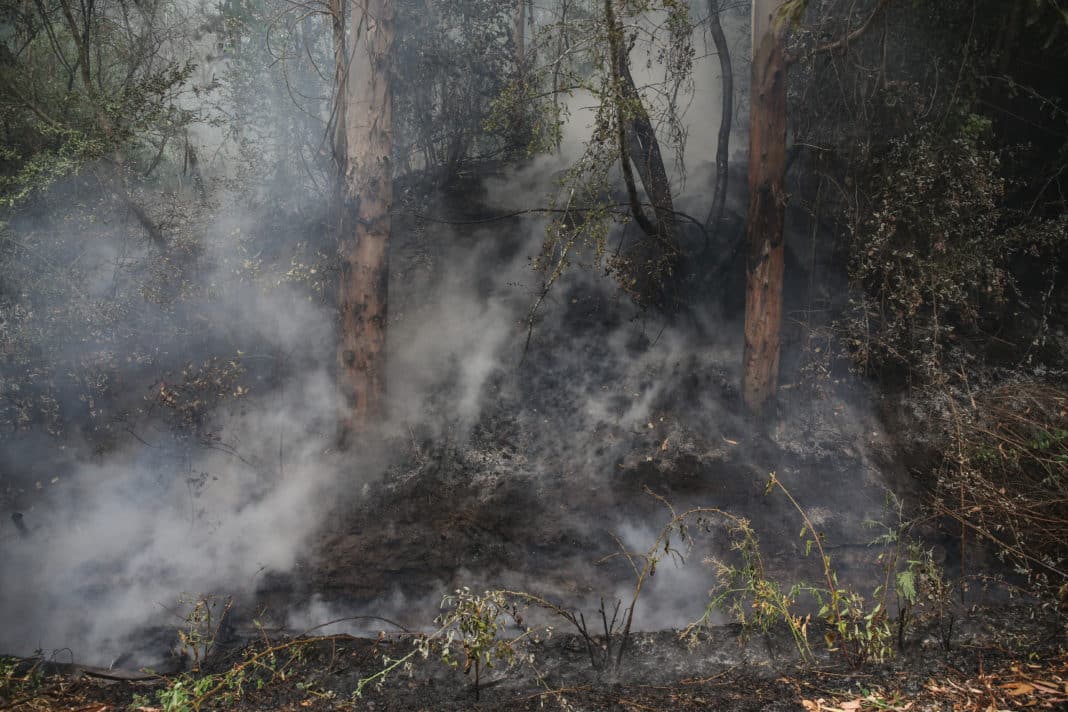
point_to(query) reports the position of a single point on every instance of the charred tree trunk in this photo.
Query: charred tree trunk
(643, 149)
(367, 197)
(767, 198)
(652, 265)
(719, 190)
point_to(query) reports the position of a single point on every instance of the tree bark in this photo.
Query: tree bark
(767, 199)
(719, 189)
(365, 219)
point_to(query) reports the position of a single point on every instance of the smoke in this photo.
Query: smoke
(606, 399)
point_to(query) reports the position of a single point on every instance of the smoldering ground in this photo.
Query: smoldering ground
(504, 465)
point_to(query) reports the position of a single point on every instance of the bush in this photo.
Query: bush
(1004, 477)
(932, 263)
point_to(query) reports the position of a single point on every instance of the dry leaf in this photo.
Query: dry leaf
(1017, 688)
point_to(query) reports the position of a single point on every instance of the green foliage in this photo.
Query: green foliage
(532, 120)
(790, 13)
(476, 623)
(460, 95)
(855, 628)
(190, 692)
(15, 683)
(177, 697)
(59, 115)
(745, 592)
(472, 623)
(61, 151)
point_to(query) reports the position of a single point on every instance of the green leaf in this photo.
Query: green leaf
(906, 585)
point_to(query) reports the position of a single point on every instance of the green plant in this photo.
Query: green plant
(11, 682)
(854, 628)
(932, 260)
(22, 679)
(189, 692)
(917, 581)
(138, 701)
(476, 624)
(177, 697)
(745, 592)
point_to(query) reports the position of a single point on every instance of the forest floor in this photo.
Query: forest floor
(1009, 659)
(515, 504)
(446, 521)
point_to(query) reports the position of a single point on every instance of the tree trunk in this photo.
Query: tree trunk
(643, 149)
(367, 198)
(519, 37)
(767, 199)
(337, 35)
(653, 263)
(719, 190)
(561, 46)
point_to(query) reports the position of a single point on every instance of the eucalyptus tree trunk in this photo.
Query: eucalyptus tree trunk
(767, 199)
(367, 197)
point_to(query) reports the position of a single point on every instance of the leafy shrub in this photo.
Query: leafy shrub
(932, 263)
(855, 628)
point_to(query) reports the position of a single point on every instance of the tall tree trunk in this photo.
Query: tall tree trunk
(367, 198)
(719, 190)
(767, 199)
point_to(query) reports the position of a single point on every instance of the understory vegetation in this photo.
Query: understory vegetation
(180, 231)
(478, 632)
